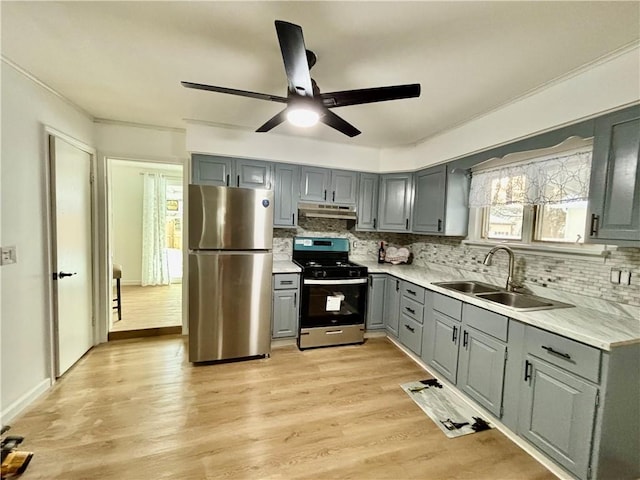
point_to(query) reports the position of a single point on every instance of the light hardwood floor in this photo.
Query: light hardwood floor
(137, 409)
(149, 307)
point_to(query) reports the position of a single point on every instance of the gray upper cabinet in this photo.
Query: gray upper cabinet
(614, 194)
(394, 205)
(440, 206)
(287, 193)
(328, 186)
(375, 301)
(368, 202)
(231, 172)
(210, 170)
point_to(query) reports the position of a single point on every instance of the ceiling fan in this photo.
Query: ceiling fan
(305, 104)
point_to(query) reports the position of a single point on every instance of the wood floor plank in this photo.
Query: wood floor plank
(137, 409)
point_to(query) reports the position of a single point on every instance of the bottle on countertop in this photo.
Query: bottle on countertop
(381, 253)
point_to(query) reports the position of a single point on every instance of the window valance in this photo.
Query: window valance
(561, 179)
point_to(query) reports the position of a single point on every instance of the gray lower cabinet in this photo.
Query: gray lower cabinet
(614, 192)
(392, 306)
(368, 202)
(286, 300)
(230, 171)
(557, 414)
(322, 185)
(286, 195)
(375, 301)
(443, 344)
(394, 202)
(410, 329)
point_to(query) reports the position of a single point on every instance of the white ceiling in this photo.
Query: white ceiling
(124, 61)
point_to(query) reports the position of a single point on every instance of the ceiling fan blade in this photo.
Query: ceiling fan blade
(233, 91)
(273, 121)
(369, 95)
(294, 55)
(334, 121)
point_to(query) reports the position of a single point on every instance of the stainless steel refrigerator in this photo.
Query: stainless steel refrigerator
(230, 267)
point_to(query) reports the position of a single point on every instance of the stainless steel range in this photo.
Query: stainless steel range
(334, 293)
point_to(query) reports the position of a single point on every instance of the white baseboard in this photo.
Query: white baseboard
(13, 410)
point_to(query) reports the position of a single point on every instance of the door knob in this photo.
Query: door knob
(64, 274)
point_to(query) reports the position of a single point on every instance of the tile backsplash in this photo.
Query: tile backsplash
(588, 276)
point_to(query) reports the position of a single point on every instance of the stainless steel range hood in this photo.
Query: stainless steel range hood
(326, 211)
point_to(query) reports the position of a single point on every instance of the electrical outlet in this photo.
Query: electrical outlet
(625, 277)
(8, 255)
(614, 275)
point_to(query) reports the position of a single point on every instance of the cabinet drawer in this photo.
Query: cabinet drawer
(568, 354)
(447, 305)
(410, 334)
(411, 308)
(413, 291)
(283, 281)
(486, 321)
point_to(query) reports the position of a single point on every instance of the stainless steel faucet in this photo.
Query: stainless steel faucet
(511, 286)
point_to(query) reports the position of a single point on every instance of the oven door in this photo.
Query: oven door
(334, 302)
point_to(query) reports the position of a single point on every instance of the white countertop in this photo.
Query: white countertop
(604, 330)
(285, 266)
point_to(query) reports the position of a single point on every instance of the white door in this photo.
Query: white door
(72, 252)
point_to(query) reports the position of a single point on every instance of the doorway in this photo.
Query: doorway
(145, 231)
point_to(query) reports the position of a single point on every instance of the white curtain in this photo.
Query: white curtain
(155, 267)
(560, 179)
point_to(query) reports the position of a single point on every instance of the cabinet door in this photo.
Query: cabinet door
(394, 205)
(392, 306)
(252, 174)
(314, 184)
(429, 203)
(444, 345)
(557, 414)
(344, 187)
(285, 313)
(375, 301)
(286, 193)
(614, 195)
(368, 202)
(210, 170)
(481, 369)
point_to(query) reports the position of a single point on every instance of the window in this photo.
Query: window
(543, 199)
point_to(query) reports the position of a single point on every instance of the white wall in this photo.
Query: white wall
(612, 84)
(24, 320)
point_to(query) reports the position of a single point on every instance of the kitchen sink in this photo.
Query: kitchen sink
(522, 301)
(469, 286)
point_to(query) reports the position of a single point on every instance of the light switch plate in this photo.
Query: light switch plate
(614, 276)
(8, 255)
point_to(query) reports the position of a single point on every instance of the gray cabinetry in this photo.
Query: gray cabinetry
(375, 301)
(230, 171)
(614, 194)
(368, 202)
(411, 316)
(286, 194)
(394, 203)
(286, 298)
(322, 185)
(443, 343)
(557, 414)
(440, 203)
(392, 305)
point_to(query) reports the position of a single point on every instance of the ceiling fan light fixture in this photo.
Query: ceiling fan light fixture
(302, 116)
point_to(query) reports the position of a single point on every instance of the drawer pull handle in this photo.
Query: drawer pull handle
(411, 329)
(286, 282)
(455, 334)
(333, 332)
(411, 292)
(410, 310)
(555, 352)
(527, 370)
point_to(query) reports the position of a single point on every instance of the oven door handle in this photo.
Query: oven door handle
(335, 281)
